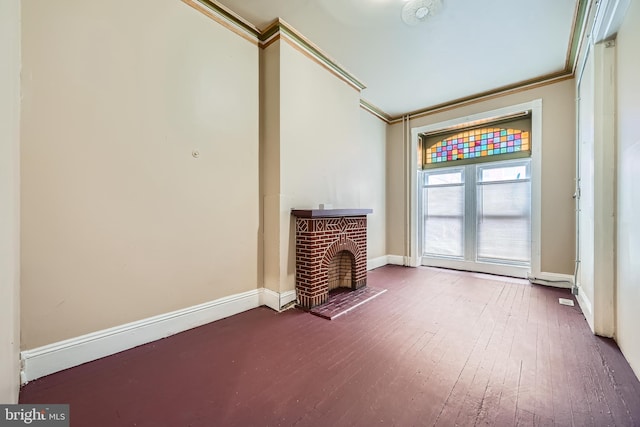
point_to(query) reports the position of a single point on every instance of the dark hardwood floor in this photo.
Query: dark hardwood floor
(438, 348)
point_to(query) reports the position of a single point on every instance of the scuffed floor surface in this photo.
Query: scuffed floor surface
(438, 348)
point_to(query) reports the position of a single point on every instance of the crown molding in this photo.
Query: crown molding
(280, 29)
(365, 105)
(277, 30)
(485, 96)
(227, 18)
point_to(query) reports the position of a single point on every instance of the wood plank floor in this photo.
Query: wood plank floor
(438, 348)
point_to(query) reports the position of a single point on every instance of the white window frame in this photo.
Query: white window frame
(463, 172)
(479, 167)
(414, 174)
(470, 259)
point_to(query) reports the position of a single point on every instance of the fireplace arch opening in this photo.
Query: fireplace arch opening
(341, 271)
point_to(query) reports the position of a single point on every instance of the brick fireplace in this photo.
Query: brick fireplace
(331, 252)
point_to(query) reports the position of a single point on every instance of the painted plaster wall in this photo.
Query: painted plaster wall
(319, 147)
(120, 221)
(628, 196)
(270, 165)
(373, 140)
(9, 200)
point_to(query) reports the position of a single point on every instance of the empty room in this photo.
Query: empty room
(319, 213)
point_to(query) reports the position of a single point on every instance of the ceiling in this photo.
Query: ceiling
(468, 48)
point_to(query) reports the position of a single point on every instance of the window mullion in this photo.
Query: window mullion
(470, 213)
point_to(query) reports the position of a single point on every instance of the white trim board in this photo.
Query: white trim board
(275, 300)
(271, 299)
(609, 17)
(390, 260)
(479, 267)
(55, 357)
(395, 259)
(380, 261)
(555, 280)
(287, 297)
(585, 306)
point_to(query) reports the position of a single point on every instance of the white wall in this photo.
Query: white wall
(120, 221)
(9, 200)
(628, 196)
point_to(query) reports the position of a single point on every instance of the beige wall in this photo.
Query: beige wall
(9, 200)
(273, 268)
(628, 196)
(328, 154)
(120, 221)
(395, 189)
(373, 164)
(328, 150)
(558, 171)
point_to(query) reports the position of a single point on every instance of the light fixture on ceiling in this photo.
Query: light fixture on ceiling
(416, 11)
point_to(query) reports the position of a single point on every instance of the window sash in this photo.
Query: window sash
(485, 217)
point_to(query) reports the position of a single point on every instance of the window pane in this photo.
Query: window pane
(504, 221)
(509, 173)
(444, 178)
(443, 220)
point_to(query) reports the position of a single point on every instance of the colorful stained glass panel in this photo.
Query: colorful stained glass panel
(478, 143)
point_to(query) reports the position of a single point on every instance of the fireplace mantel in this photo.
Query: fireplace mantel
(329, 213)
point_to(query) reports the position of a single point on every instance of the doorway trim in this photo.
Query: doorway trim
(535, 106)
(598, 300)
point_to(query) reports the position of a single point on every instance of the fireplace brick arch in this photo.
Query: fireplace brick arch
(320, 236)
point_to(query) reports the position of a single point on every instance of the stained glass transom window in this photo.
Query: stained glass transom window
(478, 143)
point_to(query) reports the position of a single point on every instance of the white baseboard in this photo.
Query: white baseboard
(381, 261)
(271, 299)
(555, 280)
(586, 307)
(275, 300)
(287, 297)
(55, 357)
(395, 260)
